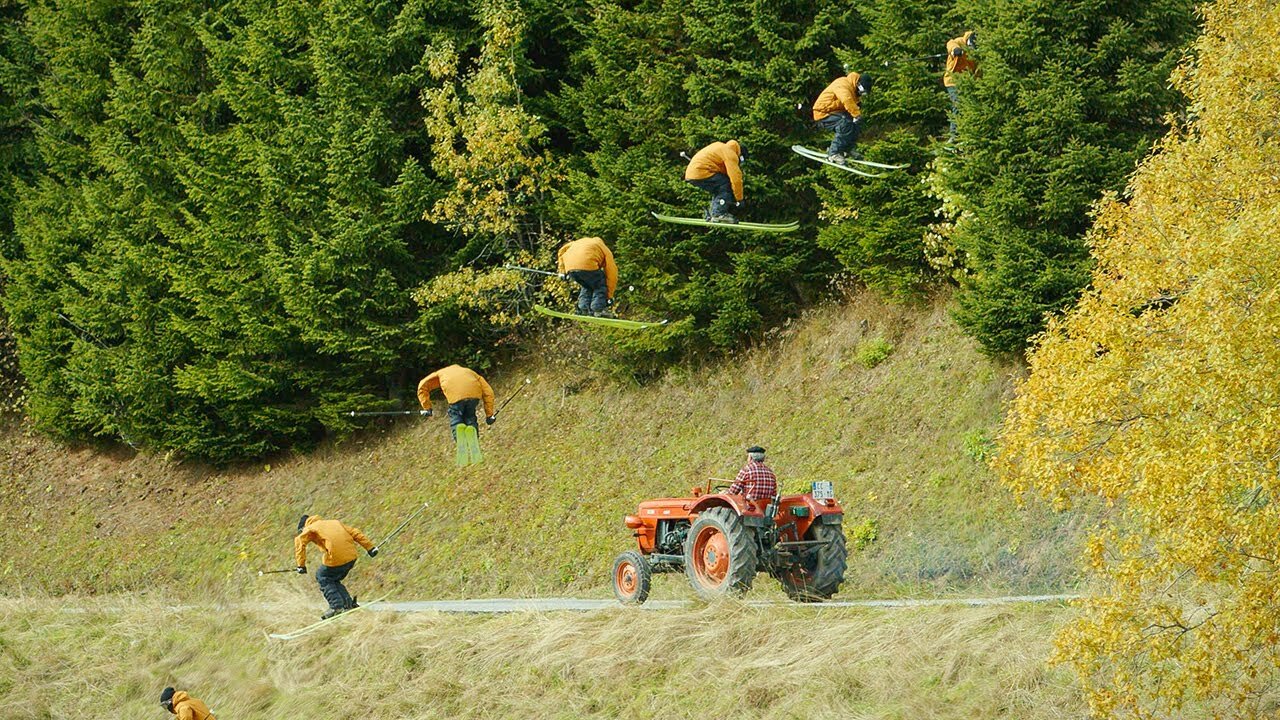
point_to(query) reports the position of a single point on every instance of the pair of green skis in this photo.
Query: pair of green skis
(850, 165)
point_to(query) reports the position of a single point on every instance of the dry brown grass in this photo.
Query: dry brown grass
(720, 661)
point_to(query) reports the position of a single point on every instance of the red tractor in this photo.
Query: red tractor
(721, 541)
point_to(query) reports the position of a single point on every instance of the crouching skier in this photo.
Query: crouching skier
(463, 389)
(717, 169)
(338, 541)
(839, 109)
(184, 706)
(589, 262)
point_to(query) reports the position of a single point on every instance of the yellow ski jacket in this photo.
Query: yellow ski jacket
(337, 539)
(841, 94)
(457, 383)
(961, 63)
(189, 708)
(589, 253)
(718, 157)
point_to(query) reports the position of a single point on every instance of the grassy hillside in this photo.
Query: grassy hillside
(726, 660)
(904, 441)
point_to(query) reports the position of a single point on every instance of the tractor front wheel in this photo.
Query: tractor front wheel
(821, 569)
(719, 554)
(632, 574)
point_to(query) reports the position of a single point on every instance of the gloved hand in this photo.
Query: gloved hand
(957, 52)
(489, 420)
(373, 551)
(301, 569)
(429, 412)
(563, 276)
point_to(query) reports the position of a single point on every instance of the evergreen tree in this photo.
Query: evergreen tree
(219, 256)
(875, 227)
(19, 158)
(659, 77)
(1068, 98)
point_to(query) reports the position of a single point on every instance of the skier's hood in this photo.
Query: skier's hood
(735, 147)
(180, 697)
(854, 77)
(311, 520)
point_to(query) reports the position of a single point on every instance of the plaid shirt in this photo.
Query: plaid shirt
(755, 480)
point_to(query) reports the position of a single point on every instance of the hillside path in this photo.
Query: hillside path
(508, 605)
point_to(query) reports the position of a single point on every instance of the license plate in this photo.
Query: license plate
(823, 491)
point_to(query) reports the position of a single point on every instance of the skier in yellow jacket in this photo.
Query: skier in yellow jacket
(958, 62)
(589, 262)
(184, 706)
(338, 541)
(839, 108)
(463, 389)
(717, 168)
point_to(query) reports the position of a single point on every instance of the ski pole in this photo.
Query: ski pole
(513, 396)
(270, 572)
(530, 270)
(396, 532)
(354, 413)
(935, 56)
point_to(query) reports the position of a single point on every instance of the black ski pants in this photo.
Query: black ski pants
(330, 580)
(594, 295)
(463, 412)
(721, 189)
(847, 129)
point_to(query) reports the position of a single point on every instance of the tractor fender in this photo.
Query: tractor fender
(751, 512)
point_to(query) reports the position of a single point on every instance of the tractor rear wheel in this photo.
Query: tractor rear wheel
(719, 554)
(632, 574)
(821, 570)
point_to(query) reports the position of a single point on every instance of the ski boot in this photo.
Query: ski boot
(837, 159)
(331, 612)
(853, 154)
(724, 218)
(585, 312)
(605, 313)
(353, 604)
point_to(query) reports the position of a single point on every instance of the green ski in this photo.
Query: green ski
(822, 158)
(317, 625)
(604, 322)
(757, 227)
(468, 446)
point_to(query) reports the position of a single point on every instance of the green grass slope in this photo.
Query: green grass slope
(719, 661)
(891, 403)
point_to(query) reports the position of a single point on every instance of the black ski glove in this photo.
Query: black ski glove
(373, 551)
(301, 569)
(489, 420)
(430, 412)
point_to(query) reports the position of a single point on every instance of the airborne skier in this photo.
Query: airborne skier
(839, 108)
(958, 62)
(463, 389)
(589, 262)
(717, 169)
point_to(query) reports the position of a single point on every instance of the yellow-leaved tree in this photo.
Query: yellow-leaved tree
(1160, 393)
(490, 150)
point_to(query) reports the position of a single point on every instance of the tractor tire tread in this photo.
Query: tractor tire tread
(743, 561)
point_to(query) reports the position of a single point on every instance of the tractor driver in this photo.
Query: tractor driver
(755, 480)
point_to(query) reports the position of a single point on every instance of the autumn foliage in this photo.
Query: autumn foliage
(1159, 393)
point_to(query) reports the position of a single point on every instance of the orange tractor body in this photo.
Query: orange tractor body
(722, 541)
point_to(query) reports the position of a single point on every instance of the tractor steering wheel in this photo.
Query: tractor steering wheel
(720, 487)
